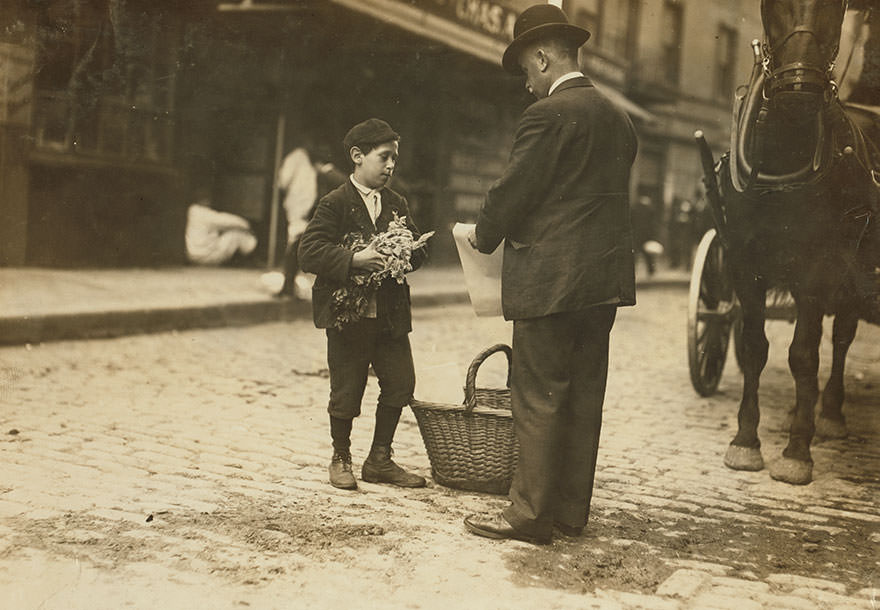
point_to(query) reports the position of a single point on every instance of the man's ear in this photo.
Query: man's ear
(542, 59)
(357, 156)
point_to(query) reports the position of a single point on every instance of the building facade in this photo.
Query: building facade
(88, 170)
(682, 61)
(112, 113)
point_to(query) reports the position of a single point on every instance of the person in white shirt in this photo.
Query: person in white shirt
(214, 237)
(303, 177)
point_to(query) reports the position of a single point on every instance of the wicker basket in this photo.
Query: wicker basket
(472, 446)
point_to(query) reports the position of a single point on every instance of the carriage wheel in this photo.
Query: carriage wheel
(712, 311)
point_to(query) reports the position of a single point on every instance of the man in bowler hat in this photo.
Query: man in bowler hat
(562, 209)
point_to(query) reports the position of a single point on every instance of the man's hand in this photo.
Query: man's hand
(472, 238)
(368, 259)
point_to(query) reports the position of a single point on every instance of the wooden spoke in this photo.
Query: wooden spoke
(711, 314)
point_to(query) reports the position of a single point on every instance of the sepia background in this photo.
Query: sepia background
(163, 440)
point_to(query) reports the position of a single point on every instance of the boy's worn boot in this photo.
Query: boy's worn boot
(380, 468)
(340, 471)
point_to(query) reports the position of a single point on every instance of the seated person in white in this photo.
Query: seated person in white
(214, 237)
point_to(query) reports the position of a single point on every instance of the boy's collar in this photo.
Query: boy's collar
(360, 187)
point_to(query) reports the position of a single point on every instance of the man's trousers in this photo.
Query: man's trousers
(559, 371)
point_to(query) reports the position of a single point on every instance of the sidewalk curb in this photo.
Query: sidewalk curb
(21, 330)
(100, 325)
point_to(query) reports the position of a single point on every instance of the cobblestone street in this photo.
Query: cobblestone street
(189, 470)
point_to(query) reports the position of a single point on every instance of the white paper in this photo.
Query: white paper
(482, 273)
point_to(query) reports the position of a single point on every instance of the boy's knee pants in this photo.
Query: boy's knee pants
(351, 351)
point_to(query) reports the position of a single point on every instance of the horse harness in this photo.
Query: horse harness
(838, 138)
(837, 135)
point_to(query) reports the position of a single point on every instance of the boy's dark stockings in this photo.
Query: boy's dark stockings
(291, 266)
(386, 424)
(340, 432)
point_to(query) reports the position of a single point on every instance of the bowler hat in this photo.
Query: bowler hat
(369, 133)
(537, 22)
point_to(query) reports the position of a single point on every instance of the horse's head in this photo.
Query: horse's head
(801, 43)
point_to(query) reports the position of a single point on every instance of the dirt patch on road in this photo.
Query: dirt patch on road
(253, 541)
(279, 528)
(105, 542)
(625, 552)
(241, 539)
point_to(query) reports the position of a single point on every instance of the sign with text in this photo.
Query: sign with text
(16, 83)
(488, 17)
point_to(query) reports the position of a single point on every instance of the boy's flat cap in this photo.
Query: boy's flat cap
(369, 132)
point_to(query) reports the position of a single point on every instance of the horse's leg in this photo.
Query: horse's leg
(796, 465)
(831, 423)
(744, 452)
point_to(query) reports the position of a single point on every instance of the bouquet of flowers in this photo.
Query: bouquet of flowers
(396, 245)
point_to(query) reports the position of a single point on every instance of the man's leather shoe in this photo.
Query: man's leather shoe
(340, 471)
(380, 468)
(568, 530)
(499, 528)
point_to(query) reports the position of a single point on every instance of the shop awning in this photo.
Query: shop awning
(481, 33)
(455, 34)
(432, 26)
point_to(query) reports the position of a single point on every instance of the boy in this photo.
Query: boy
(363, 205)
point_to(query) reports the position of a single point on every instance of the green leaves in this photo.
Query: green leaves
(396, 245)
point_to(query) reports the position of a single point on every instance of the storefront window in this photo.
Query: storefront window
(632, 23)
(588, 15)
(104, 88)
(671, 49)
(725, 63)
(619, 22)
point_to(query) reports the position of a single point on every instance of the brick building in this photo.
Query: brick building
(111, 112)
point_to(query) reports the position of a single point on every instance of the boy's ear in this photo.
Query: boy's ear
(357, 156)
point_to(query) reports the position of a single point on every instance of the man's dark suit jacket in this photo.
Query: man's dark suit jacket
(340, 212)
(562, 206)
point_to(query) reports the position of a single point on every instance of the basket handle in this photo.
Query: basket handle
(470, 399)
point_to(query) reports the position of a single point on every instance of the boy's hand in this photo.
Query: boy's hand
(368, 259)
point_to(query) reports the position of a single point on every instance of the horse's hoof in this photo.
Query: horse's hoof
(830, 428)
(795, 472)
(743, 458)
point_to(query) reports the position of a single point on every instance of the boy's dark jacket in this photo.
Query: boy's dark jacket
(340, 212)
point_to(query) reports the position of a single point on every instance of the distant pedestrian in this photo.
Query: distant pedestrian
(214, 237)
(362, 207)
(680, 230)
(304, 177)
(702, 217)
(561, 207)
(644, 229)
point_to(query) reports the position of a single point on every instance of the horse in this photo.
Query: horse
(795, 201)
